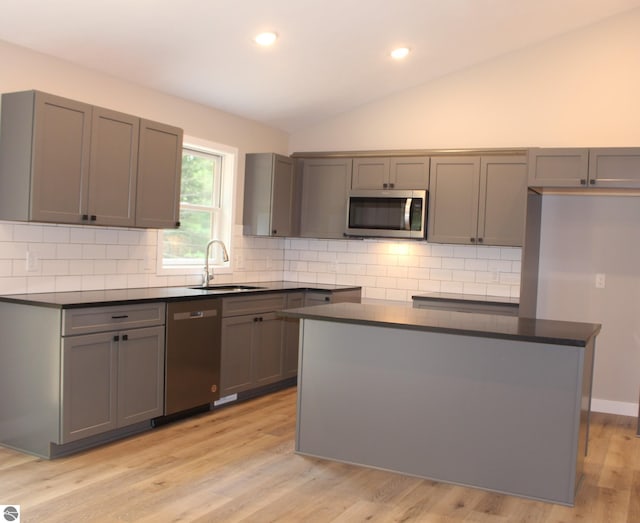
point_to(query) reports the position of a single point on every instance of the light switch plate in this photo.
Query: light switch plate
(600, 281)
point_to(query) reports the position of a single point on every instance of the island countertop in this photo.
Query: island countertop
(462, 323)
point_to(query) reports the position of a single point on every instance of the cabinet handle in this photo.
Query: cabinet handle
(274, 231)
(592, 182)
(116, 338)
(392, 185)
(385, 185)
(93, 218)
(85, 217)
(480, 240)
(583, 182)
(125, 337)
(255, 319)
(177, 224)
(120, 317)
(327, 298)
(473, 240)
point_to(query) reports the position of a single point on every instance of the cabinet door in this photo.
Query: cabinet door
(60, 170)
(89, 389)
(503, 194)
(558, 167)
(325, 184)
(140, 375)
(453, 199)
(113, 168)
(291, 337)
(159, 168)
(409, 173)
(267, 346)
(614, 167)
(282, 196)
(236, 354)
(370, 173)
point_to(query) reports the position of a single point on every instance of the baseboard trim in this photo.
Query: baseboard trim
(622, 408)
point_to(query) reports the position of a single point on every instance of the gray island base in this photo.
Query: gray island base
(495, 402)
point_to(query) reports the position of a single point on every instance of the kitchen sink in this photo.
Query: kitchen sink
(227, 288)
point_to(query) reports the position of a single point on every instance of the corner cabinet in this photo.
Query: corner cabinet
(268, 195)
(325, 186)
(477, 200)
(400, 173)
(63, 161)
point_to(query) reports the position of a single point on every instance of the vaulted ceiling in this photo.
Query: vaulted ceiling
(331, 55)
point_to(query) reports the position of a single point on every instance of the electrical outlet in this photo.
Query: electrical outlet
(600, 281)
(31, 261)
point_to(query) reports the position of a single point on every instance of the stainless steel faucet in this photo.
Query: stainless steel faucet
(207, 274)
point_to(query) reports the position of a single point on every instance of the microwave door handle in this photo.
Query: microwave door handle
(407, 214)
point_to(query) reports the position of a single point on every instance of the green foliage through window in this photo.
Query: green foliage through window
(199, 203)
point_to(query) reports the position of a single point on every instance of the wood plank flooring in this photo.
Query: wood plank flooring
(237, 465)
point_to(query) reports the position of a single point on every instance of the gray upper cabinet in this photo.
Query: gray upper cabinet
(402, 173)
(44, 158)
(614, 167)
(112, 166)
(558, 167)
(325, 185)
(477, 200)
(268, 195)
(159, 169)
(63, 161)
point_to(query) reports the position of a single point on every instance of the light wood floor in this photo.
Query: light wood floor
(238, 464)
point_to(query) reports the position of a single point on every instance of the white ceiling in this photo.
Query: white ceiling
(332, 55)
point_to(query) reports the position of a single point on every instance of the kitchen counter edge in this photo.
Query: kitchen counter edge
(499, 326)
(107, 297)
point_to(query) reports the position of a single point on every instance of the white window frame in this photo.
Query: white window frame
(223, 221)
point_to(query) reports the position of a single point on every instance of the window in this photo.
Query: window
(205, 210)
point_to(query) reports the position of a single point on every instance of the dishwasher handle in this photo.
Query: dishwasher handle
(194, 315)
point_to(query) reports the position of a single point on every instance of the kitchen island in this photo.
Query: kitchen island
(496, 402)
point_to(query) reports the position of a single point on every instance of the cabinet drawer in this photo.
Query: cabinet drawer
(117, 317)
(251, 304)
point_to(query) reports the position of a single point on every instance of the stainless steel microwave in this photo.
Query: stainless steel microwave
(387, 214)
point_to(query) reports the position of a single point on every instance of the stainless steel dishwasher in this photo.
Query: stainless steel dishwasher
(192, 370)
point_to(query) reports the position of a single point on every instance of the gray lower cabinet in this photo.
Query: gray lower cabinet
(112, 376)
(252, 342)
(63, 161)
(399, 173)
(325, 186)
(269, 192)
(477, 200)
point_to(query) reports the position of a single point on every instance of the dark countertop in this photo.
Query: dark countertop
(452, 322)
(466, 298)
(76, 299)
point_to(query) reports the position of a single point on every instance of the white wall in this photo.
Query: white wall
(577, 90)
(580, 89)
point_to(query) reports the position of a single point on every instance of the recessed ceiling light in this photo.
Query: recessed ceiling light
(266, 38)
(400, 53)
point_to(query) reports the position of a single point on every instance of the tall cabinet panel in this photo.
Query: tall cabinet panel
(113, 166)
(159, 168)
(453, 199)
(61, 148)
(325, 185)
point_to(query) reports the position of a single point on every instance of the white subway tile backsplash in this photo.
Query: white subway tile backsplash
(76, 257)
